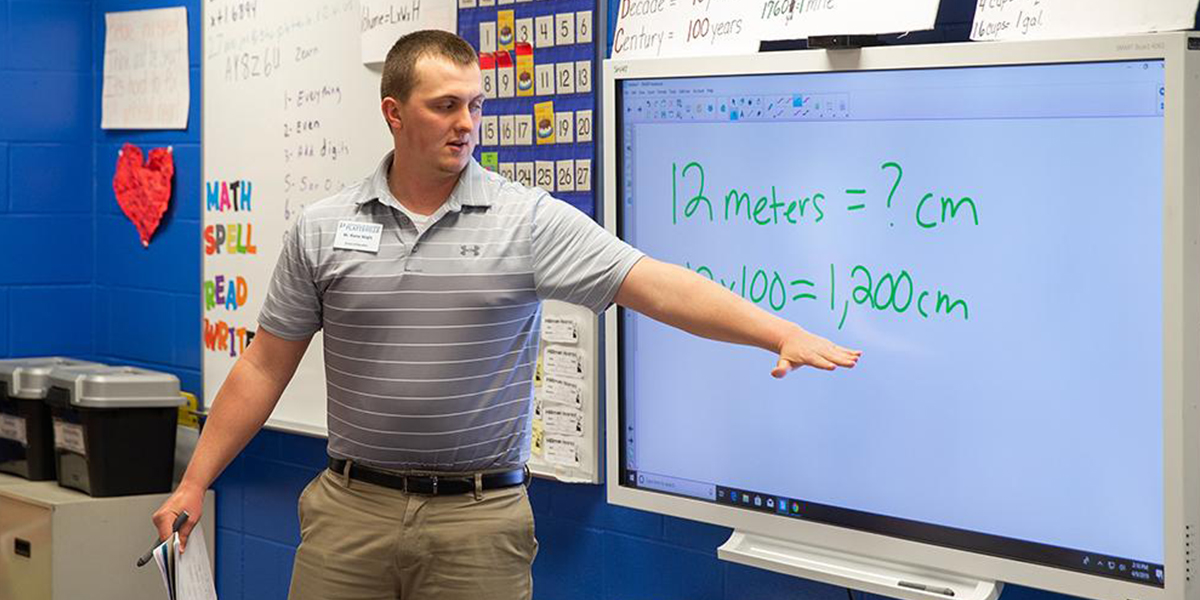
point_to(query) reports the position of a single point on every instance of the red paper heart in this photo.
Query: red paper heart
(144, 189)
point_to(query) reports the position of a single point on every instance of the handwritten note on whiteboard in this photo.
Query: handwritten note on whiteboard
(384, 21)
(795, 19)
(145, 70)
(660, 28)
(1044, 19)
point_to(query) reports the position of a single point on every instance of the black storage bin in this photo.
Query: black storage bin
(114, 429)
(26, 433)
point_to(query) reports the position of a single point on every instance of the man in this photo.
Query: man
(427, 279)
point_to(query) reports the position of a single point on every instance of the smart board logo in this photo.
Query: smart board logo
(473, 251)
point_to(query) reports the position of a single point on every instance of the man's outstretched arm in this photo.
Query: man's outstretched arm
(688, 301)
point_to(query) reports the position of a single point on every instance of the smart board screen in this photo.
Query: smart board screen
(990, 237)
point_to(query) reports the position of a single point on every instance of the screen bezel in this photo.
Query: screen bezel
(1181, 230)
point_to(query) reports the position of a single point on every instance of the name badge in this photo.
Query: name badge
(355, 235)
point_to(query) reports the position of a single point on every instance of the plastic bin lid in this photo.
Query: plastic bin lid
(117, 387)
(29, 377)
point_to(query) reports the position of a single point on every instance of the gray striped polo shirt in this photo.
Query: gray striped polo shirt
(431, 342)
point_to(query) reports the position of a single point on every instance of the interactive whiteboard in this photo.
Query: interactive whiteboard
(995, 226)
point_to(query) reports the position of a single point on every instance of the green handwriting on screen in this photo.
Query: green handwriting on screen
(763, 203)
(890, 293)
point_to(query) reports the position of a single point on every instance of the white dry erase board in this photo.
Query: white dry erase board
(1008, 231)
(290, 117)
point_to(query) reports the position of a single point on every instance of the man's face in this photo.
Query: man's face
(439, 123)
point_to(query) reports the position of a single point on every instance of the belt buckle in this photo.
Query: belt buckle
(434, 479)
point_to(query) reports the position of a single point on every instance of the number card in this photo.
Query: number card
(525, 31)
(524, 173)
(489, 131)
(583, 175)
(505, 85)
(583, 26)
(564, 173)
(566, 77)
(583, 126)
(545, 79)
(564, 29)
(508, 133)
(564, 127)
(544, 31)
(508, 170)
(487, 36)
(583, 76)
(544, 174)
(524, 127)
(487, 67)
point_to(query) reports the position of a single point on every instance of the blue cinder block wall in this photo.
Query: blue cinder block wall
(75, 280)
(47, 221)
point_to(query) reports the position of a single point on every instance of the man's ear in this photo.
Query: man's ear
(391, 113)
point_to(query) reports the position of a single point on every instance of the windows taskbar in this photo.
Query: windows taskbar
(1103, 565)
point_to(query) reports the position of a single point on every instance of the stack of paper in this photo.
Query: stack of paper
(186, 575)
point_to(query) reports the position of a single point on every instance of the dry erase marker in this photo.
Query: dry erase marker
(926, 588)
(179, 521)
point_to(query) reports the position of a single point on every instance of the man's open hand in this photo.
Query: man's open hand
(802, 348)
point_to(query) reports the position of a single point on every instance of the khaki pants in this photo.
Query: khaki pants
(364, 541)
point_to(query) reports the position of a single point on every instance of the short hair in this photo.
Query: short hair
(400, 67)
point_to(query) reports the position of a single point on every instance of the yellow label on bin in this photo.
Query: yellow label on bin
(188, 416)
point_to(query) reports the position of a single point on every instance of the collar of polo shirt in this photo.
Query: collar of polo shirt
(467, 192)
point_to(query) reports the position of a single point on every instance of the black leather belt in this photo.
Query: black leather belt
(429, 485)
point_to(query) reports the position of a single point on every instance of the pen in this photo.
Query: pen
(926, 588)
(179, 521)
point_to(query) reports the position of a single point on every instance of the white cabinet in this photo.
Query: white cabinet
(59, 544)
